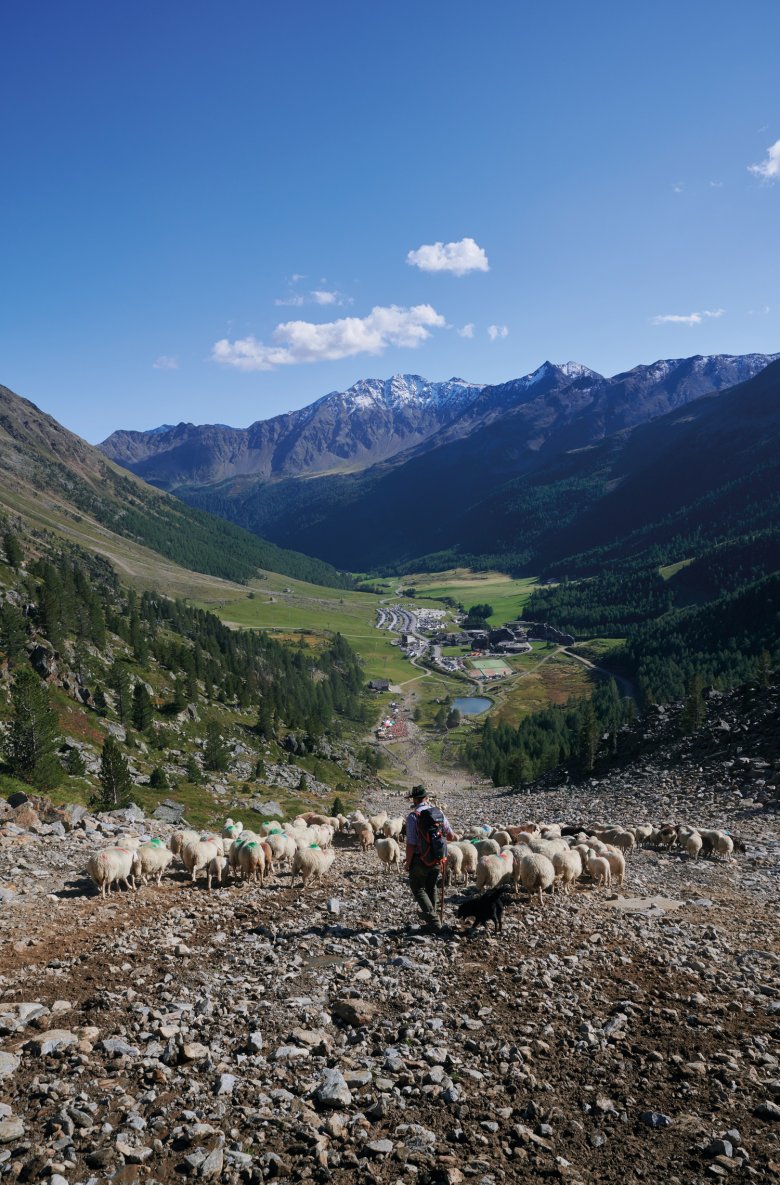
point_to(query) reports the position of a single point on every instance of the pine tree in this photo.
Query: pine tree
(158, 779)
(588, 738)
(142, 707)
(694, 709)
(265, 720)
(192, 770)
(216, 755)
(12, 548)
(115, 778)
(75, 764)
(31, 743)
(12, 633)
(119, 680)
(179, 702)
(764, 668)
(453, 718)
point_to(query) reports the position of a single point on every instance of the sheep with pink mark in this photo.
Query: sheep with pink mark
(113, 866)
(493, 870)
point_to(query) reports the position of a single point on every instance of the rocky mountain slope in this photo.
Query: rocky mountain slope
(449, 474)
(59, 482)
(553, 408)
(346, 430)
(489, 495)
(254, 1034)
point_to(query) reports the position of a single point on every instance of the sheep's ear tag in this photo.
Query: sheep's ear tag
(314, 845)
(473, 841)
(156, 841)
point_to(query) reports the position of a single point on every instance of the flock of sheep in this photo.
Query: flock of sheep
(555, 857)
(537, 857)
(305, 846)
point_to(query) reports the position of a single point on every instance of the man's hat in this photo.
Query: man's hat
(418, 792)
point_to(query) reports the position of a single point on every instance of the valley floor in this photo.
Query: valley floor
(604, 1037)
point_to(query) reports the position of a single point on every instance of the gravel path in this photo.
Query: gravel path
(253, 1034)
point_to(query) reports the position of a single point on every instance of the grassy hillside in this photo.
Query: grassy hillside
(197, 711)
(58, 480)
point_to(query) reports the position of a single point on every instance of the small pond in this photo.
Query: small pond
(472, 705)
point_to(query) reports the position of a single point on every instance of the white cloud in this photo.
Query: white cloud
(770, 168)
(716, 184)
(685, 318)
(318, 296)
(496, 331)
(467, 330)
(458, 258)
(679, 187)
(305, 341)
(164, 362)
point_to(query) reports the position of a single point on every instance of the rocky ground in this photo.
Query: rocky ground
(254, 1034)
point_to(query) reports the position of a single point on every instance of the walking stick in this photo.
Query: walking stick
(442, 866)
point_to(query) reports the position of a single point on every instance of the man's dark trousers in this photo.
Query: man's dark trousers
(423, 881)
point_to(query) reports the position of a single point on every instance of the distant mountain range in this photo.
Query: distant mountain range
(346, 430)
(405, 471)
(376, 420)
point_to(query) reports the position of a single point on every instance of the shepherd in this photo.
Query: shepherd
(427, 832)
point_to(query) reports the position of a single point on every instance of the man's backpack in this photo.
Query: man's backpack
(431, 840)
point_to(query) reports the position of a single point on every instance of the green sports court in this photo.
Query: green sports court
(491, 666)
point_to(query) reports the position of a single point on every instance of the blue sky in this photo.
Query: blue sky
(207, 210)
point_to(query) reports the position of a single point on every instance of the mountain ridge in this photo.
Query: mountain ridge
(46, 470)
(479, 498)
(387, 420)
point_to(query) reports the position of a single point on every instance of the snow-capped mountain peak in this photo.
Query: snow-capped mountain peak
(402, 390)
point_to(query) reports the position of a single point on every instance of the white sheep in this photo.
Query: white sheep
(282, 847)
(251, 861)
(153, 859)
(454, 866)
(598, 868)
(568, 869)
(392, 828)
(494, 870)
(643, 832)
(179, 840)
(232, 830)
(470, 857)
(693, 845)
(502, 838)
(215, 870)
(724, 845)
(486, 847)
(112, 866)
(364, 834)
(533, 870)
(624, 841)
(617, 864)
(131, 842)
(198, 853)
(378, 821)
(389, 853)
(311, 864)
(322, 834)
